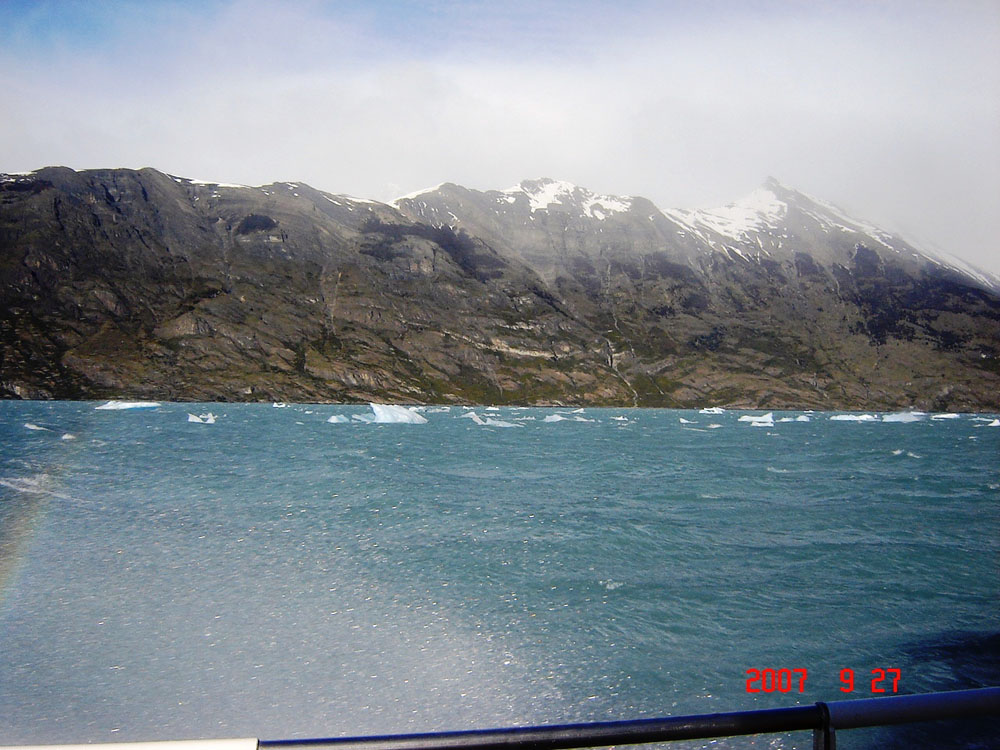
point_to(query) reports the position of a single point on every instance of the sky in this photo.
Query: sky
(889, 109)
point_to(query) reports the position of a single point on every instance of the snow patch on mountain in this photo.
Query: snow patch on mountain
(759, 211)
(417, 193)
(545, 192)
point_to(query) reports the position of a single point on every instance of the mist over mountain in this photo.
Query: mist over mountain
(137, 283)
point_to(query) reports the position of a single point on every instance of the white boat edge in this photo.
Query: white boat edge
(237, 744)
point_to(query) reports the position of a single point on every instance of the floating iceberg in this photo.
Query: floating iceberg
(390, 414)
(994, 423)
(203, 419)
(904, 417)
(473, 416)
(712, 410)
(554, 418)
(946, 416)
(853, 418)
(279, 405)
(763, 418)
(620, 419)
(32, 426)
(118, 405)
(68, 436)
(713, 426)
(762, 424)
(338, 419)
(802, 418)
(686, 421)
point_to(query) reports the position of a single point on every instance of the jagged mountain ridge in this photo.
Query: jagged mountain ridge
(769, 223)
(122, 282)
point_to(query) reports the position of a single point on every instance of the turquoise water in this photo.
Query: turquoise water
(275, 575)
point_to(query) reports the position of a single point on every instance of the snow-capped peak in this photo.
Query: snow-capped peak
(759, 210)
(542, 193)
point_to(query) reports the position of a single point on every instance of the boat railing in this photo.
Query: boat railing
(823, 719)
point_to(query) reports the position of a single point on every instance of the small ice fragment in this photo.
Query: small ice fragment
(994, 423)
(802, 418)
(712, 410)
(193, 418)
(713, 426)
(686, 421)
(473, 416)
(946, 416)
(32, 426)
(68, 436)
(853, 418)
(279, 405)
(338, 419)
(554, 418)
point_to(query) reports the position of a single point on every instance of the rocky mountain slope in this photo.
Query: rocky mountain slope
(137, 283)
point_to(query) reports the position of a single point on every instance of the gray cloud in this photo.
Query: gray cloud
(889, 110)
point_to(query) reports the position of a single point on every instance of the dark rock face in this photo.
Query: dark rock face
(136, 283)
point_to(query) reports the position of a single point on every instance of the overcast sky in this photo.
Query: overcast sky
(889, 109)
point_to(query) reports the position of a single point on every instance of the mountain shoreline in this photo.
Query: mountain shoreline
(136, 284)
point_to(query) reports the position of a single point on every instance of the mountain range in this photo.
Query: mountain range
(135, 283)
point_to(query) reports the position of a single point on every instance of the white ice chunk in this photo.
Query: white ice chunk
(802, 418)
(366, 418)
(473, 416)
(193, 418)
(119, 405)
(904, 417)
(762, 424)
(853, 418)
(713, 426)
(946, 416)
(338, 419)
(279, 405)
(391, 414)
(31, 426)
(769, 417)
(554, 418)
(712, 410)
(994, 423)
(68, 436)
(686, 421)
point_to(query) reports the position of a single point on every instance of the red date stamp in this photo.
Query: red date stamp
(794, 680)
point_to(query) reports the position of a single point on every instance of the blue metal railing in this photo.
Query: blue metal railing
(824, 719)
